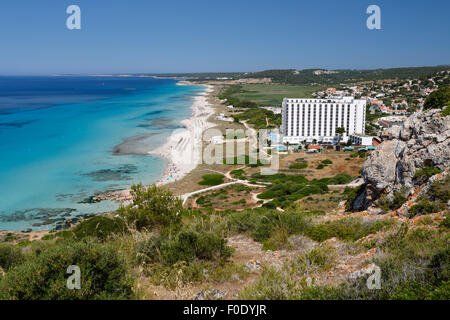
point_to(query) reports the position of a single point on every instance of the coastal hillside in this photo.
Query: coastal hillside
(313, 76)
(315, 230)
(407, 162)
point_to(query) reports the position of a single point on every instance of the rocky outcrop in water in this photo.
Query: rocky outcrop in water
(423, 140)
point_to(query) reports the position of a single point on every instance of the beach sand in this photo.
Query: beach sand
(182, 150)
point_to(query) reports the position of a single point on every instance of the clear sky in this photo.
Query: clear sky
(138, 36)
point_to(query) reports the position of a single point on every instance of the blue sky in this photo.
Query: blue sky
(137, 36)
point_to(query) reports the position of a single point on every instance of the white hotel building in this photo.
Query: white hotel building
(309, 119)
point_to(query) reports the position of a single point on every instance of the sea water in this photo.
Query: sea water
(64, 139)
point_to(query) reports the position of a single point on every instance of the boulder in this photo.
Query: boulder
(423, 140)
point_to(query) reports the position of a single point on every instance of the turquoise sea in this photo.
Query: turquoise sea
(64, 139)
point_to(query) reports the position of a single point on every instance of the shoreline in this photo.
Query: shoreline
(182, 149)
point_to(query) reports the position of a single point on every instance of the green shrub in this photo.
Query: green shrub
(438, 99)
(350, 195)
(440, 191)
(299, 165)
(242, 201)
(271, 285)
(100, 227)
(320, 258)
(340, 178)
(398, 200)
(422, 175)
(446, 222)
(446, 111)
(211, 179)
(346, 229)
(320, 166)
(10, 255)
(153, 206)
(50, 236)
(261, 223)
(269, 205)
(327, 161)
(44, 277)
(423, 207)
(201, 200)
(238, 173)
(186, 246)
(278, 240)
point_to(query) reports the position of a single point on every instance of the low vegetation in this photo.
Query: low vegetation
(347, 229)
(286, 189)
(211, 179)
(298, 165)
(422, 175)
(396, 202)
(42, 275)
(152, 207)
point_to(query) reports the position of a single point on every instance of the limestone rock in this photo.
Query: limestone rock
(423, 140)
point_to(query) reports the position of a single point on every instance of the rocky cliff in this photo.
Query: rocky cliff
(423, 140)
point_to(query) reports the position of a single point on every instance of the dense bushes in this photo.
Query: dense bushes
(100, 227)
(258, 116)
(446, 111)
(299, 165)
(44, 276)
(440, 191)
(153, 206)
(186, 246)
(438, 99)
(346, 229)
(239, 173)
(10, 255)
(288, 188)
(263, 224)
(422, 175)
(423, 206)
(398, 200)
(350, 195)
(446, 222)
(212, 179)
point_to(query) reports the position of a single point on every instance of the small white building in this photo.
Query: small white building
(361, 139)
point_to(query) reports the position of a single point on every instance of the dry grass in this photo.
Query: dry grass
(324, 202)
(340, 165)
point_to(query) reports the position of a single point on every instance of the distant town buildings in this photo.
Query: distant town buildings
(317, 119)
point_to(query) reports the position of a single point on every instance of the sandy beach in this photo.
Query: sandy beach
(182, 149)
